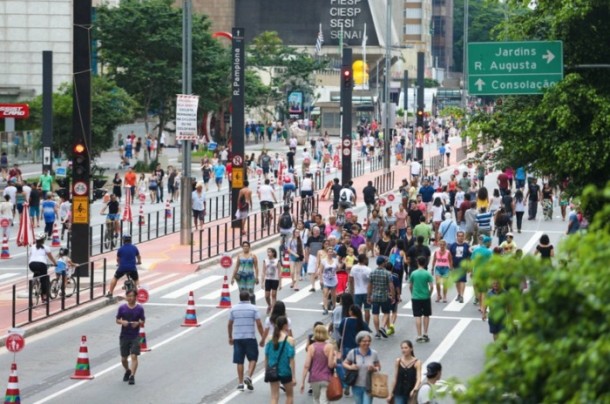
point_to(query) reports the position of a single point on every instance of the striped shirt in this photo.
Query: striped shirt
(244, 316)
(484, 221)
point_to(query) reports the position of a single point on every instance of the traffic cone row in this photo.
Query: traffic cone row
(168, 210)
(190, 319)
(5, 253)
(141, 215)
(225, 295)
(83, 369)
(12, 395)
(55, 238)
(142, 337)
(285, 265)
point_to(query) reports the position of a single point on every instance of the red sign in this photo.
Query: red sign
(391, 197)
(382, 202)
(226, 261)
(142, 296)
(15, 342)
(259, 171)
(142, 197)
(17, 111)
(4, 222)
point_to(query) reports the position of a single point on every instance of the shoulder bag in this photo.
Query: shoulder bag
(334, 390)
(272, 372)
(351, 376)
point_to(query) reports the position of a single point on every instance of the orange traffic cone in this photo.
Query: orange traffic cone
(55, 238)
(190, 319)
(12, 390)
(285, 265)
(225, 295)
(83, 370)
(142, 337)
(141, 215)
(5, 253)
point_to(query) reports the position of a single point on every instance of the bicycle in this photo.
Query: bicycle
(110, 234)
(266, 207)
(129, 283)
(289, 197)
(306, 206)
(36, 291)
(68, 288)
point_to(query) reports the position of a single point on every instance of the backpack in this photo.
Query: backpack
(343, 195)
(285, 221)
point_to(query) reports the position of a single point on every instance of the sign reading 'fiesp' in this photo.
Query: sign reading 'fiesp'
(17, 111)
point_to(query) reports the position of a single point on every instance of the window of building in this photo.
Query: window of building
(412, 29)
(413, 13)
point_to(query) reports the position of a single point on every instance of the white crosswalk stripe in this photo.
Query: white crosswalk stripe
(456, 306)
(9, 275)
(301, 294)
(193, 286)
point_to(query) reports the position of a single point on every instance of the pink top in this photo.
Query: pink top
(401, 219)
(319, 370)
(442, 260)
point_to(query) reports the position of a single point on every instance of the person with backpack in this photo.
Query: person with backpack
(285, 223)
(346, 198)
(397, 260)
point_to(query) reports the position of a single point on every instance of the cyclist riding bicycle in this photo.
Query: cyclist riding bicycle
(266, 196)
(64, 264)
(346, 198)
(113, 215)
(289, 182)
(127, 258)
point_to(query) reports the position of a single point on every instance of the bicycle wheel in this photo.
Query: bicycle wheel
(107, 239)
(70, 286)
(36, 292)
(54, 289)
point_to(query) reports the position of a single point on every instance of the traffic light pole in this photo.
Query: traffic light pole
(387, 133)
(81, 132)
(419, 152)
(347, 84)
(187, 79)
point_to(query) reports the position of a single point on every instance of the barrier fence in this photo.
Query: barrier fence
(26, 308)
(218, 238)
(384, 182)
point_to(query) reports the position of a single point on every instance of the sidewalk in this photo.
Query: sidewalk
(167, 256)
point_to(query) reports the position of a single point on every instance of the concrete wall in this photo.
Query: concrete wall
(27, 27)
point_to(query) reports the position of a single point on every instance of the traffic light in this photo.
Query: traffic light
(80, 161)
(420, 117)
(346, 76)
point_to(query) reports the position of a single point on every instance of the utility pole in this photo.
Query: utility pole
(187, 88)
(387, 133)
(465, 61)
(347, 84)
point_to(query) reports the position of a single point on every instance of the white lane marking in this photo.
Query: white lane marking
(302, 294)
(193, 286)
(448, 341)
(261, 293)
(9, 275)
(456, 306)
(409, 305)
(172, 284)
(115, 366)
(156, 280)
(216, 294)
(532, 242)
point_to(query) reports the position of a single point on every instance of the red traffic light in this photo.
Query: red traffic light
(79, 148)
(346, 73)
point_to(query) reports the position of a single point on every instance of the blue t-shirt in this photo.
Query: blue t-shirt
(352, 327)
(520, 173)
(283, 361)
(48, 211)
(130, 314)
(219, 171)
(483, 252)
(426, 193)
(459, 253)
(127, 257)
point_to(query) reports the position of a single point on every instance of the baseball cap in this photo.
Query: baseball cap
(433, 369)
(486, 239)
(509, 234)
(448, 215)
(380, 260)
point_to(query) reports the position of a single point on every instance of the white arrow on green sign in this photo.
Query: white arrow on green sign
(509, 68)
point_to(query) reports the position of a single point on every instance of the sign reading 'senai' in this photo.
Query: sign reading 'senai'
(186, 117)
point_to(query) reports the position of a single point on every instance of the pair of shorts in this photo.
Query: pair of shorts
(494, 328)
(421, 307)
(265, 170)
(113, 216)
(134, 274)
(360, 301)
(442, 272)
(384, 307)
(245, 348)
(34, 211)
(199, 215)
(129, 347)
(463, 276)
(271, 284)
(312, 265)
(218, 180)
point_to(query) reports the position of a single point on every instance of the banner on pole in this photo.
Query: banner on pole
(186, 117)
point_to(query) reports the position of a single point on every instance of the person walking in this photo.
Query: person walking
(534, 195)
(117, 186)
(244, 320)
(421, 284)
(381, 295)
(50, 212)
(198, 205)
(460, 250)
(130, 316)
(295, 252)
(359, 285)
(365, 360)
(246, 271)
(327, 271)
(426, 394)
(407, 375)
(280, 352)
(278, 310)
(442, 264)
(319, 364)
(271, 278)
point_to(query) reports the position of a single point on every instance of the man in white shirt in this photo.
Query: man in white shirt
(11, 191)
(415, 169)
(27, 190)
(359, 285)
(224, 156)
(276, 162)
(266, 196)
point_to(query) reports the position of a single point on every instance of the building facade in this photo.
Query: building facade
(442, 34)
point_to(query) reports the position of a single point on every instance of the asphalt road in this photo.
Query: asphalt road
(193, 365)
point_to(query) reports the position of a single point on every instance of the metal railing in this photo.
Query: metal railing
(23, 314)
(218, 238)
(384, 182)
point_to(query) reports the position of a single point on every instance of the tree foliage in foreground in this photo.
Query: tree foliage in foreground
(565, 132)
(111, 106)
(556, 348)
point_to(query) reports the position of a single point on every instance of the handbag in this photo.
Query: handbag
(334, 390)
(351, 376)
(369, 233)
(272, 373)
(379, 384)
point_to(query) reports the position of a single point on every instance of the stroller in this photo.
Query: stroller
(547, 209)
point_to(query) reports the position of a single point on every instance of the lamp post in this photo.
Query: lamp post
(187, 79)
(465, 60)
(387, 131)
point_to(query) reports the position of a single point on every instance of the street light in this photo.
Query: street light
(387, 131)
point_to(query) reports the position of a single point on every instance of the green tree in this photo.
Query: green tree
(556, 347)
(563, 133)
(111, 106)
(141, 48)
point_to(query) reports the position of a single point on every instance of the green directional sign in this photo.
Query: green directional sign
(509, 68)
